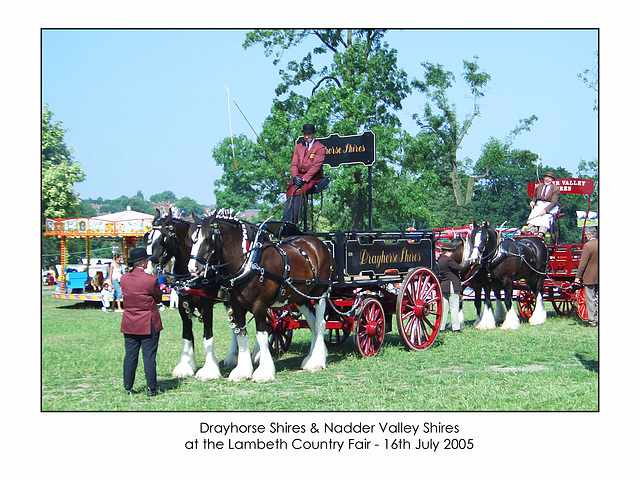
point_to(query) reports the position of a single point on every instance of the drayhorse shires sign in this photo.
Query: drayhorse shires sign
(380, 256)
(349, 149)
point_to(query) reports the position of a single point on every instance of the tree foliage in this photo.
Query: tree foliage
(440, 119)
(347, 83)
(59, 171)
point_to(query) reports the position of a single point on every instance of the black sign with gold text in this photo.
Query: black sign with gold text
(349, 149)
(379, 256)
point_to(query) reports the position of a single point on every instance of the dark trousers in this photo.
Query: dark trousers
(149, 345)
(292, 209)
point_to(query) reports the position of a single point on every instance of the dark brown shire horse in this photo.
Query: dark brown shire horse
(254, 273)
(506, 261)
(166, 240)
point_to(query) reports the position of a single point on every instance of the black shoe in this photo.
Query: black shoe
(152, 393)
(128, 391)
(457, 331)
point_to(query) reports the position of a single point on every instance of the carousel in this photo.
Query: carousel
(126, 227)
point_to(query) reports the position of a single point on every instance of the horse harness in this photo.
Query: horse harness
(500, 253)
(170, 235)
(251, 266)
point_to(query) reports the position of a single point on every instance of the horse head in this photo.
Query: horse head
(483, 242)
(166, 240)
(202, 243)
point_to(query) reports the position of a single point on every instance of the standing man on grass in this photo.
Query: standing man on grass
(588, 273)
(141, 322)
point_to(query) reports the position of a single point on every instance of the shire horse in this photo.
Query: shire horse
(168, 240)
(254, 274)
(470, 276)
(500, 263)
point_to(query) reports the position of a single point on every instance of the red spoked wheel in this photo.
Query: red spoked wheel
(419, 308)
(526, 303)
(581, 301)
(279, 331)
(368, 327)
(563, 301)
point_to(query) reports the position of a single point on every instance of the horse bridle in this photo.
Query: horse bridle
(171, 234)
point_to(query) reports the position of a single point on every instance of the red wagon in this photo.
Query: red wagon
(380, 274)
(565, 296)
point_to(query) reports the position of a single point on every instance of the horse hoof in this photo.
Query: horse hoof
(203, 377)
(182, 371)
(314, 368)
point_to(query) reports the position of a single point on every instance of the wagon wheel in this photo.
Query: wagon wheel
(565, 303)
(581, 301)
(278, 332)
(368, 327)
(526, 303)
(419, 309)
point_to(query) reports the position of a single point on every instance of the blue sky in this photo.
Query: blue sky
(143, 108)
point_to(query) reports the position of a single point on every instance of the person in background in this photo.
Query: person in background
(544, 205)
(173, 298)
(141, 322)
(451, 288)
(306, 172)
(587, 274)
(115, 274)
(106, 296)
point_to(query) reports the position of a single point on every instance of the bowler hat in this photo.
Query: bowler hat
(550, 174)
(308, 128)
(448, 246)
(136, 255)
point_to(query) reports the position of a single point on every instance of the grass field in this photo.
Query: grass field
(553, 367)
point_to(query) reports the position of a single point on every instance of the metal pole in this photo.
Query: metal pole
(370, 198)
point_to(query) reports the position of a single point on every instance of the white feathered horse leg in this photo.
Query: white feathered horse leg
(244, 368)
(210, 369)
(488, 321)
(317, 358)
(266, 372)
(186, 367)
(539, 315)
(511, 322)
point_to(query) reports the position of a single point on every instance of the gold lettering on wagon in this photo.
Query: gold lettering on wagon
(383, 258)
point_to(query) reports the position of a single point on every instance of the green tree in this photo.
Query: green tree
(436, 146)
(166, 196)
(349, 82)
(187, 205)
(59, 171)
(440, 119)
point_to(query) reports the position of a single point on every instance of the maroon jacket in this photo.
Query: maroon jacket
(307, 164)
(141, 294)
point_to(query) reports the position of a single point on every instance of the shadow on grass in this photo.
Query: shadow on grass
(81, 306)
(591, 365)
(165, 385)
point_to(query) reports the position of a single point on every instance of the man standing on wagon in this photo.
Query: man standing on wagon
(306, 172)
(544, 204)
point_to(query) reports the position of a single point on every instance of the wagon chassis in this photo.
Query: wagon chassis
(381, 274)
